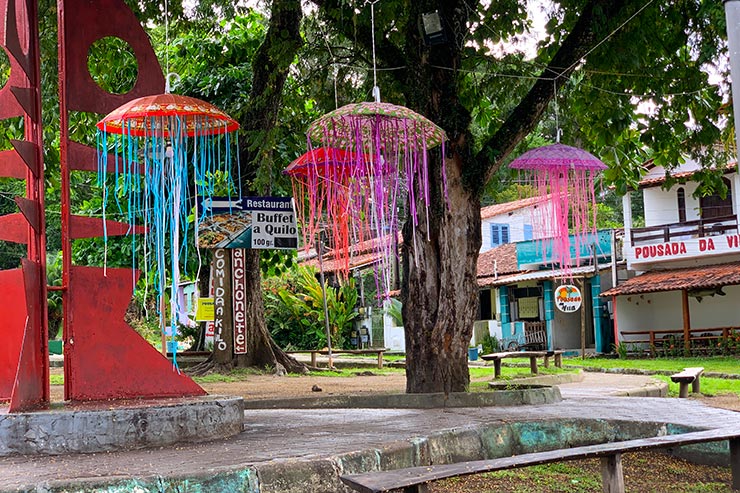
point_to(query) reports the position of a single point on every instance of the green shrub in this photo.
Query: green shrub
(490, 344)
(294, 310)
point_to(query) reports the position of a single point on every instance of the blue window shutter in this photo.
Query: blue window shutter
(495, 241)
(499, 234)
(528, 232)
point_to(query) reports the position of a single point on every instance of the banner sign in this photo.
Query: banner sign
(683, 249)
(248, 222)
(204, 311)
(568, 298)
(238, 296)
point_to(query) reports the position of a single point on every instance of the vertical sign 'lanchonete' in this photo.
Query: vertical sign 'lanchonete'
(239, 287)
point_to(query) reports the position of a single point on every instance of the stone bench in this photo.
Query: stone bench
(686, 377)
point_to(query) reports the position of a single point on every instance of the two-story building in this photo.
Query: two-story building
(518, 281)
(687, 264)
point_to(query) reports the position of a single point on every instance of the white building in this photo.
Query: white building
(510, 222)
(687, 265)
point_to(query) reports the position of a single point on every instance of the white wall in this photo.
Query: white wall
(655, 311)
(661, 206)
(567, 330)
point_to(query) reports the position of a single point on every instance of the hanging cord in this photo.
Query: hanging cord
(376, 89)
(557, 110)
(334, 70)
(170, 75)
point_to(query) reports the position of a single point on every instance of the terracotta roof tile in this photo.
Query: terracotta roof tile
(331, 265)
(659, 180)
(498, 261)
(708, 276)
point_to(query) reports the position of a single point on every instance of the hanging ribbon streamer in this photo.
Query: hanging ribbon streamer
(158, 141)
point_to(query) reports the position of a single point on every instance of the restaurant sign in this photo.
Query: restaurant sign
(568, 298)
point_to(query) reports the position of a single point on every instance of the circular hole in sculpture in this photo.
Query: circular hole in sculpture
(112, 65)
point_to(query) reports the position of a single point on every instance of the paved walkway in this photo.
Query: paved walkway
(304, 434)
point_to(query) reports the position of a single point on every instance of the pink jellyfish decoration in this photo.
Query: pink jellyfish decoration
(386, 149)
(327, 186)
(563, 177)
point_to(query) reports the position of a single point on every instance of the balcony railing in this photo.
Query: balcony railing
(690, 229)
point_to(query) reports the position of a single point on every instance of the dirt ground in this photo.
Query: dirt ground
(263, 387)
(644, 472)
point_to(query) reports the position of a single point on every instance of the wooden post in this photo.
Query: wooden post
(380, 359)
(686, 321)
(611, 474)
(683, 390)
(417, 488)
(163, 323)
(533, 364)
(582, 282)
(735, 462)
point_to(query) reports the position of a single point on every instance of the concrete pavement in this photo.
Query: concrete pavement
(288, 450)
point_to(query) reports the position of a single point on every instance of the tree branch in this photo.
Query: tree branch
(270, 68)
(388, 53)
(527, 114)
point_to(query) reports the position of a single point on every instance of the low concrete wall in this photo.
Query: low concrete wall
(93, 427)
(502, 397)
(321, 474)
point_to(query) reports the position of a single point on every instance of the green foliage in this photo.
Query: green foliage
(295, 312)
(54, 298)
(490, 344)
(112, 65)
(621, 349)
(395, 310)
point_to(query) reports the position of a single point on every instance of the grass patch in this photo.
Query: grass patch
(646, 472)
(718, 364)
(709, 386)
(56, 379)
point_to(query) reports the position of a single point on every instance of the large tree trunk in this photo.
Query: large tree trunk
(440, 295)
(270, 68)
(261, 349)
(439, 290)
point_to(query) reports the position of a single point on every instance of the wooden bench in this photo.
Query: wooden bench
(315, 352)
(532, 355)
(415, 479)
(686, 377)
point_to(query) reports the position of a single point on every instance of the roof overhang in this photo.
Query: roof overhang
(541, 275)
(691, 278)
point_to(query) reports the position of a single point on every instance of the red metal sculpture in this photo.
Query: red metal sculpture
(24, 378)
(104, 357)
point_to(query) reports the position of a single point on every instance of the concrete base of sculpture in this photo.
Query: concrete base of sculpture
(118, 425)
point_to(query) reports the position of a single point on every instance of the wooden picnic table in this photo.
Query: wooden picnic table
(532, 355)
